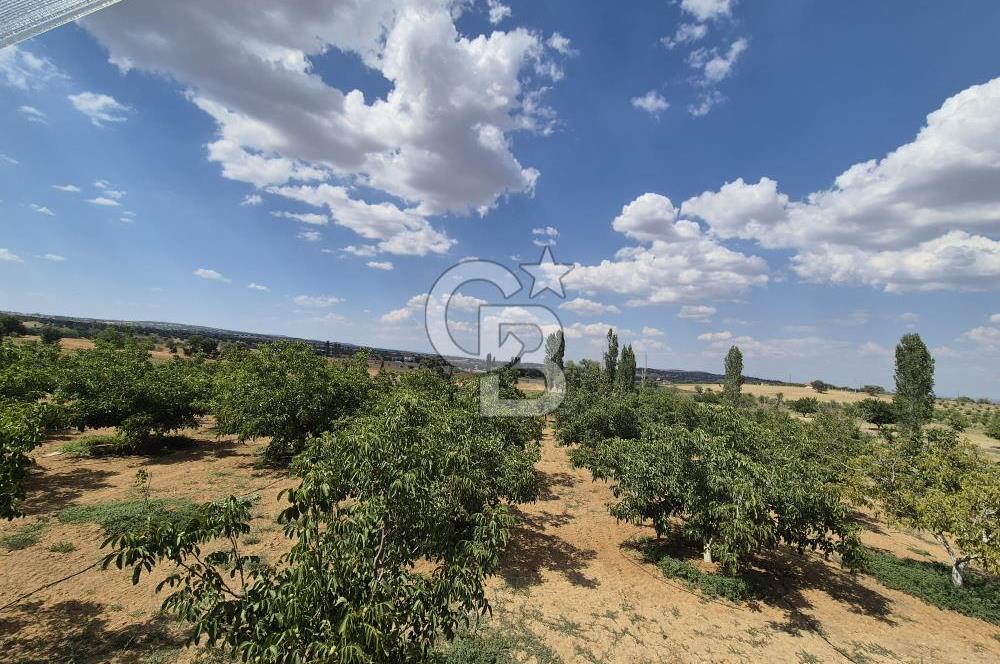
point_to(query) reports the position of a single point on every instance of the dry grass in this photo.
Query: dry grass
(790, 392)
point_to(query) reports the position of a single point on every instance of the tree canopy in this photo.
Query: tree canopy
(734, 375)
(287, 392)
(914, 398)
(401, 514)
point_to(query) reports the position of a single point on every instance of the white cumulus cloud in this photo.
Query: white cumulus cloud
(584, 307)
(924, 217)
(652, 102)
(211, 275)
(100, 108)
(437, 143)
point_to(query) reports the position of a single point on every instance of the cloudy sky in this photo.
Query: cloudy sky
(807, 180)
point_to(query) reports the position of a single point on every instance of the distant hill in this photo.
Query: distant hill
(336, 348)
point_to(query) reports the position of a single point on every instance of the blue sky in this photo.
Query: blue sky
(808, 180)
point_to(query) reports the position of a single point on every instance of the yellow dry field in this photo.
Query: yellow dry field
(790, 392)
(569, 583)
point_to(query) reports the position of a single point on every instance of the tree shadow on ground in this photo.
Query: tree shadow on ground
(781, 579)
(549, 483)
(784, 576)
(533, 551)
(51, 491)
(182, 449)
(868, 523)
(78, 632)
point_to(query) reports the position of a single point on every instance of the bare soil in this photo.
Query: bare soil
(569, 579)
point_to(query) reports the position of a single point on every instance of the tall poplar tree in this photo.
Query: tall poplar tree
(611, 359)
(734, 375)
(914, 398)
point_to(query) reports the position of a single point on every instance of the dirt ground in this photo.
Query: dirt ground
(99, 616)
(569, 581)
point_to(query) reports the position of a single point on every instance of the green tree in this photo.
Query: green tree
(11, 326)
(734, 375)
(28, 372)
(199, 345)
(914, 398)
(804, 405)
(877, 412)
(287, 392)
(993, 428)
(50, 335)
(611, 359)
(819, 386)
(401, 515)
(939, 483)
(555, 351)
(739, 485)
(112, 337)
(957, 420)
(21, 430)
(626, 370)
(123, 388)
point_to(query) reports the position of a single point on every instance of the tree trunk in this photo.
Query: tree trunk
(956, 563)
(707, 553)
(956, 574)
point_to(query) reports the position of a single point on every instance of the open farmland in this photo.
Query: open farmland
(581, 578)
(791, 392)
(570, 586)
(465, 332)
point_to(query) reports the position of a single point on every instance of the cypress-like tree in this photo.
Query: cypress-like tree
(734, 375)
(611, 359)
(626, 370)
(914, 399)
(555, 349)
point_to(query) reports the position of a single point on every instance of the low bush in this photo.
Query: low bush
(805, 405)
(978, 597)
(132, 516)
(503, 643)
(101, 445)
(993, 428)
(711, 584)
(24, 537)
(93, 446)
(62, 547)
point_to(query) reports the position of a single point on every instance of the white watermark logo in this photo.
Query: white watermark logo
(505, 331)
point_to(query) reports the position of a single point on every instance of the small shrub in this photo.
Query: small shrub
(62, 547)
(993, 428)
(24, 537)
(732, 588)
(978, 597)
(505, 644)
(93, 446)
(805, 405)
(125, 516)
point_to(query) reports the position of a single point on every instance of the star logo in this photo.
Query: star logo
(546, 274)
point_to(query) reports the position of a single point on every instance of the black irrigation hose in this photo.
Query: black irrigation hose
(25, 596)
(50, 584)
